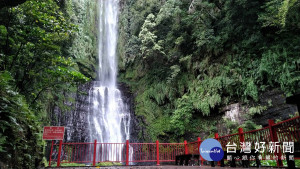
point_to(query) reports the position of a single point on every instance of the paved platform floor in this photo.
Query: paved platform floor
(155, 167)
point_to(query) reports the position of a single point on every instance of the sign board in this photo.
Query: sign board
(53, 133)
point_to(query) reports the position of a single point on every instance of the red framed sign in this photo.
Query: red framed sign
(53, 133)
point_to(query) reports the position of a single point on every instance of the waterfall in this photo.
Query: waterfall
(109, 117)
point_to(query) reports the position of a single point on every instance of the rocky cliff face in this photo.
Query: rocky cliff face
(76, 122)
(272, 105)
(277, 108)
(128, 99)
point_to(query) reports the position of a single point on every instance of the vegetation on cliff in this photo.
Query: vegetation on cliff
(186, 59)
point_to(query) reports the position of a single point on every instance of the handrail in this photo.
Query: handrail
(93, 153)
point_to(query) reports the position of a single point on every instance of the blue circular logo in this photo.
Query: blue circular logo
(211, 150)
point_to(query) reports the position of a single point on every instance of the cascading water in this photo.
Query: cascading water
(109, 117)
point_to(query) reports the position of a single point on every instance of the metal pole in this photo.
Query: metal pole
(241, 134)
(199, 143)
(50, 154)
(216, 136)
(95, 150)
(157, 152)
(185, 148)
(59, 152)
(127, 152)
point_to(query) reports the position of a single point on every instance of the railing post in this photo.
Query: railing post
(275, 139)
(185, 147)
(127, 152)
(199, 143)
(157, 152)
(95, 150)
(241, 134)
(59, 153)
(50, 154)
(217, 138)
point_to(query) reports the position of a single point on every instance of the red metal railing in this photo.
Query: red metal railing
(127, 153)
(142, 152)
(168, 151)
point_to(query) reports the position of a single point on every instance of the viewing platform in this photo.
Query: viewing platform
(141, 154)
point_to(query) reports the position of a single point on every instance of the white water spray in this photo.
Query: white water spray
(109, 117)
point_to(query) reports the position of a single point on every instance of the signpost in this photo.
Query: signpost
(54, 133)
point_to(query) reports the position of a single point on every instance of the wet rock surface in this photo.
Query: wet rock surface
(74, 119)
(277, 109)
(128, 99)
(274, 105)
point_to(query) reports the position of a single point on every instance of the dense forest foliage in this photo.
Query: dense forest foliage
(184, 60)
(40, 62)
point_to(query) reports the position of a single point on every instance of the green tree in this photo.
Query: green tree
(35, 72)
